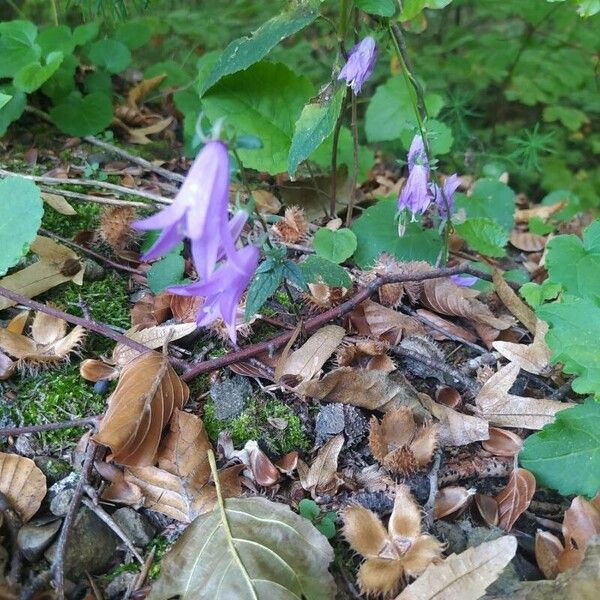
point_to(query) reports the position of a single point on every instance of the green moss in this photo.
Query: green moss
(52, 396)
(160, 545)
(68, 226)
(253, 424)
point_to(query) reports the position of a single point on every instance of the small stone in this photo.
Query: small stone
(330, 421)
(61, 494)
(53, 468)
(135, 526)
(117, 588)
(33, 538)
(230, 396)
(27, 445)
(451, 534)
(92, 547)
(93, 271)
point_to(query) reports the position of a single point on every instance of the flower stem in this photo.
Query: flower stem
(354, 125)
(334, 152)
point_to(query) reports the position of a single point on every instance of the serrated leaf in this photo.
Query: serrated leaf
(315, 124)
(253, 548)
(483, 235)
(490, 199)
(166, 272)
(112, 55)
(575, 263)
(246, 51)
(573, 338)
(268, 278)
(336, 246)
(320, 270)
(377, 231)
(21, 211)
(265, 100)
(83, 116)
(565, 455)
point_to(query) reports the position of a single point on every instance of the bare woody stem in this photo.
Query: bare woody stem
(6, 431)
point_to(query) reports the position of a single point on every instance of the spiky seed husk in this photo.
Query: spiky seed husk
(293, 227)
(115, 226)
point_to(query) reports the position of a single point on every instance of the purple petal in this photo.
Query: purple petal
(464, 280)
(167, 240)
(360, 64)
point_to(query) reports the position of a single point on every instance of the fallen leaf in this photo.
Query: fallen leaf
(542, 211)
(268, 203)
(263, 471)
(548, 548)
(500, 408)
(22, 483)
(533, 358)
(455, 428)
(465, 575)
(148, 392)
(488, 509)
(57, 264)
(139, 135)
(514, 499)
(152, 338)
(247, 549)
(185, 308)
(322, 478)
(450, 327)
(7, 367)
(369, 354)
(95, 370)
(399, 444)
(581, 522)
(452, 500)
(307, 361)
(502, 442)
(512, 301)
(528, 242)
(139, 91)
(58, 203)
(374, 390)
(390, 556)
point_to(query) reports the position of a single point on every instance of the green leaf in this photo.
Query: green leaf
(336, 246)
(483, 235)
(316, 123)
(573, 338)
(244, 52)
(265, 551)
(83, 116)
(83, 34)
(381, 8)
(327, 527)
(538, 226)
(565, 455)
(309, 509)
(176, 75)
(21, 210)
(321, 270)
(112, 55)
(267, 279)
(166, 272)
(575, 263)
(391, 112)
(62, 84)
(13, 109)
(571, 118)
(411, 8)
(490, 199)
(56, 38)
(4, 100)
(34, 75)
(377, 231)
(134, 34)
(439, 135)
(18, 46)
(98, 81)
(536, 294)
(588, 8)
(293, 273)
(265, 100)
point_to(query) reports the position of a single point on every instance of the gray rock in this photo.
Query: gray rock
(116, 589)
(61, 494)
(93, 271)
(330, 421)
(230, 396)
(135, 526)
(33, 538)
(92, 547)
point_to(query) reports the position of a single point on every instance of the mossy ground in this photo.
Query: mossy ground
(51, 396)
(253, 424)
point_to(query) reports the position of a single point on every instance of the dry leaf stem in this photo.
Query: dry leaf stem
(334, 313)
(5, 431)
(84, 250)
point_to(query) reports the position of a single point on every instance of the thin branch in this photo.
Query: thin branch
(82, 422)
(311, 324)
(113, 187)
(96, 199)
(84, 250)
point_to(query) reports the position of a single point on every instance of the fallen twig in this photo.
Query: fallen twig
(433, 487)
(82, 422)
(96, 199)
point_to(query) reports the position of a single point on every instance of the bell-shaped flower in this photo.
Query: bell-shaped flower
(445, 200)
(198, 212)
(416, 195)
(360, 64)
(223, 289)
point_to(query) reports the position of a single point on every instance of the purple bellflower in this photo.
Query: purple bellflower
(416, 194)
(464, 280)
(223, 290)
(360, 64)
(446, 200)
(198, 212)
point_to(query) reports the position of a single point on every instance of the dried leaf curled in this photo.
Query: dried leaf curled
(514, 499)
(22, 483)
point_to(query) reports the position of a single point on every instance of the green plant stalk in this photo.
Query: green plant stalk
(54, 12)
(354, 126)
(418, 101)
(343, 22)
(334, 152)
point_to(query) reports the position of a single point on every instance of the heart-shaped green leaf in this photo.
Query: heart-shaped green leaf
(336, 246)
(83, 116)
(34, 75)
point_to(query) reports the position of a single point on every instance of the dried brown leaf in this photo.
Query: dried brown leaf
(95, 370)
(502, 442)
(465, 575)
(321, 478)
(450, 327)
(264, 472)
(533, 358)
(488, 509)
(22, 483)
(307, 361)
(502, 409)
(452, 500)
(388, 324)
(512, 301)
(148, 392)
(115, 226)
(139, 91)
(528, 242)
(514, 499)
(581, 522)
(542, 211)
(268, 203)
(373, 390)
(7, 367)
(185, 308)
(548, 548)
(139, 135)
(58, 203)
(47, 329)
